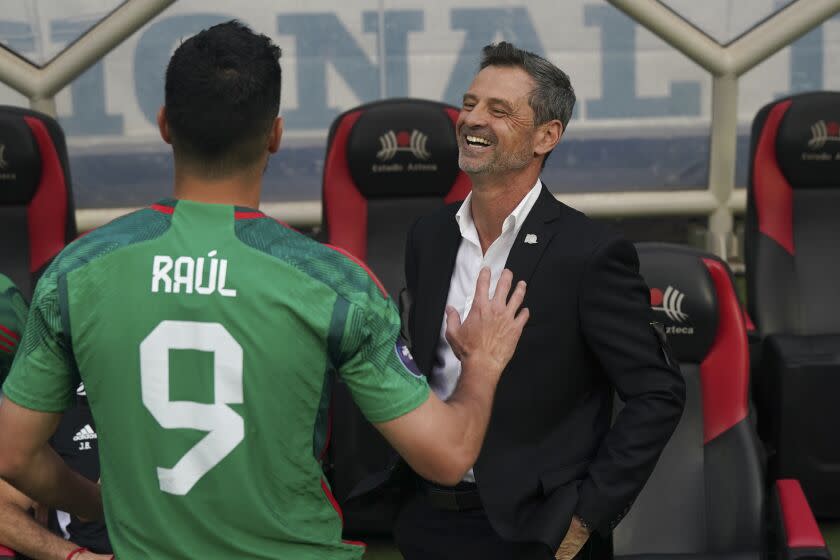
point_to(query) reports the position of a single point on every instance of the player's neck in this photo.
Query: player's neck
(236, 190)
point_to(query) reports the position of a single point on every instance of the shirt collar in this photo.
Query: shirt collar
(513, 222)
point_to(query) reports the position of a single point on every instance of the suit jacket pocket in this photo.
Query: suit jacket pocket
(553, 479)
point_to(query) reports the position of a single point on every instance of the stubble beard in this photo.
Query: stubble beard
(497, 163)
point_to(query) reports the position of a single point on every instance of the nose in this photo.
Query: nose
(476, 117)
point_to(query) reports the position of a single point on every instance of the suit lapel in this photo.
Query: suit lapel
(533, 237)
(434, 284)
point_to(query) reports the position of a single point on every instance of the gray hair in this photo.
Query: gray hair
(552, 97)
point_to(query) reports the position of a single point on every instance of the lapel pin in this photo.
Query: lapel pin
(531, 239)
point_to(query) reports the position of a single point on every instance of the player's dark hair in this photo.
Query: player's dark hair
(553, 96)
(222, 96)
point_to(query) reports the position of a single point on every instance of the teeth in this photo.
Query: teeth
(477, 140)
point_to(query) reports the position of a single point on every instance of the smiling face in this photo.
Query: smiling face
(495, 128)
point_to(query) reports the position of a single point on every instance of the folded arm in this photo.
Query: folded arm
(615, 314)
(29, 463)
(23, 533)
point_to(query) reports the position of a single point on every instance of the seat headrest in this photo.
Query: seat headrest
(403, 148)
(808, 141)
(20, 161)
(683, 297)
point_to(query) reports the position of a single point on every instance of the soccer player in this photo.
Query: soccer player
(13, 310)
(209, 336)
(18, 528)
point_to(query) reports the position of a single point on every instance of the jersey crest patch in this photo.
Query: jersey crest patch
(407, 360)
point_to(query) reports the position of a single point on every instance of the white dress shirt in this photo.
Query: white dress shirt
(468, 263)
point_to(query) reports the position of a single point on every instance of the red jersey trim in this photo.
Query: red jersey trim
(328, 493)
(7, 342)
(241, 215)
(10, 332)
(163, 209)
(333, 502)
(256, 214)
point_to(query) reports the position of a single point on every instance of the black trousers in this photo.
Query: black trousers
(425, 533)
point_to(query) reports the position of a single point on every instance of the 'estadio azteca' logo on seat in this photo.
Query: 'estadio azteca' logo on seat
(823, 132)
(392, 142)
(670, 302)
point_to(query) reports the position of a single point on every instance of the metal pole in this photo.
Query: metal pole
(45, 105)
(17, 73)
(779, 31)
(677, 32)
(98, 42)
(722, 151)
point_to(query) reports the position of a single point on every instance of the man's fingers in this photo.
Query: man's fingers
(517, 297)
(522, 318)
(453, 325)
(453, 320)
(503, 286)
(482, 285)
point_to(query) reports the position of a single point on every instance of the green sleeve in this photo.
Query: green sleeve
(13, 310)
(43, 376)
(376, 364)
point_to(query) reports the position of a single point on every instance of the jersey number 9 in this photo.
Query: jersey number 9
(225, 427)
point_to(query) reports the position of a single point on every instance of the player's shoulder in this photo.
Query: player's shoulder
(332, 266)
(364, 281)
(141, 225)
(13, 306)
(10, 294)
(6, 284)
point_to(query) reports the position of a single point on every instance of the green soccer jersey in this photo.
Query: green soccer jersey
(208, 338)
(12, 320)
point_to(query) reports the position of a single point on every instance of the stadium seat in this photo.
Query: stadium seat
(36, 204)
(792, 270)
(707, 497)
(387, 163)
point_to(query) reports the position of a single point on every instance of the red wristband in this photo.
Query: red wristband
(73, 553)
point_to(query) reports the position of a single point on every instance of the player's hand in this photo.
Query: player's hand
(492, 329)
(573, 542)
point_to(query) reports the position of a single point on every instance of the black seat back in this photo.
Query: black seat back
(793, 203)
(706, 492)
(36, 203)
(793, 273)
(387, 164)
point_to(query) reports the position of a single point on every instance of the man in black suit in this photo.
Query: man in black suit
(552, 469)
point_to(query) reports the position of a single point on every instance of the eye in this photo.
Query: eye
(468, 105)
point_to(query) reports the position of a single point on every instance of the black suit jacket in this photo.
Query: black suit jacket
(550, 449)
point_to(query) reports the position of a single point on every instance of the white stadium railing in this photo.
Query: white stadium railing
(726, 63)
(720, 201)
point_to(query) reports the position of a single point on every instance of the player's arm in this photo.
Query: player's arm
(22, 533)
(31, 465)
(441, 440)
